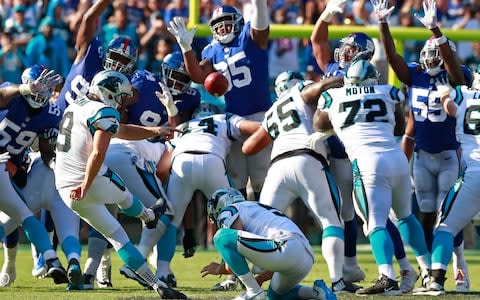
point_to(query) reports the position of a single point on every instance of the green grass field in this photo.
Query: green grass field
(191, 283)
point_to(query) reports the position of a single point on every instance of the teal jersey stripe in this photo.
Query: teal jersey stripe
(359, 190)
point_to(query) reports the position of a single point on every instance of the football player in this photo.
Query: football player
(430, 133)
(460, 203)
(86, 184)
(288, 124)
(355, 46)
(252, 231)
(239, 51)
(26, 114)
(364, 115)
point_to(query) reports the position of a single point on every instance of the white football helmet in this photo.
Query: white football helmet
(476, 79)
(361, 72)
(286, 80)
(111, 87)
(206, 109)
(430, 59)
(221, 199)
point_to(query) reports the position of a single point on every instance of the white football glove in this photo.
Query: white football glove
(381, 10)
(443, 87)
(429, 19)
(47, 80)
(165, 97)
(4, 157)
(333, 7)
(182, 34)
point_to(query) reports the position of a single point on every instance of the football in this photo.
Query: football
(216, 84)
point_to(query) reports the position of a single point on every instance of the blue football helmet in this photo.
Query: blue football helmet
(35, 100)
(361, 72)
(430, 59)
(174, 75)
(286, 80)
(111, 87)
(121, 55)
(226, 23)
(221, 199)
(356, 45)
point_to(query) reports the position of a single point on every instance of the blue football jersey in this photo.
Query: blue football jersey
(246, 67)
(434, 129)
(148, 110)
(20, 125)
(81, 74)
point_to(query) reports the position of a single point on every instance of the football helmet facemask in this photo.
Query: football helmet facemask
(361, 72)
(121, 55)
(286, 80)
(221, 199)
(35, 100)
(354, 46)
(226, 23)
(174, 75)
(111, 87)
(430, 59)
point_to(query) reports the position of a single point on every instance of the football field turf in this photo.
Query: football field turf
(193, 285)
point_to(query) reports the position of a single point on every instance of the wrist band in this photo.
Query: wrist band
(406, 136)
(441, 40)
(24, 89)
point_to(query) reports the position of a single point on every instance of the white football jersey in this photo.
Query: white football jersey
(363, 116)
(212, 134)
(259, 219)
(468, 124)
(75, 141)
(289, 122)
(151, 151)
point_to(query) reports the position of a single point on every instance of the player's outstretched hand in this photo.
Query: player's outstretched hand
(381, 10)
(429, 19)
(214, 268)
(166, 98)
(47, 80)
(182, 34)
(333, 7)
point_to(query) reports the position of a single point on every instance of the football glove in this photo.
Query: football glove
(429, 19)
(182, 34)
(381, 10)
(333, 7)
(165, 97)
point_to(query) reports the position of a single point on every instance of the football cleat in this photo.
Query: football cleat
(39, 267)
(343, 286)
(74, 275)
(229, 284)
(259, 295)
(322, 292)
(169, 293)
(130, 274)
(383, 285)
(56, 271)
(169, 280)
(104, 272)
(353, 273)
(433, 289)
(88, 280)
(407, 280)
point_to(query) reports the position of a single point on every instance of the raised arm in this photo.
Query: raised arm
(260, 27)
(319, 38)
(451, 63)
(88, 27)
(398, 64)
(198, 71)
(312, 92)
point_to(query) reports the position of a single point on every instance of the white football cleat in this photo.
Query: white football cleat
(407, 280)
(259, 295)
(104, 271)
